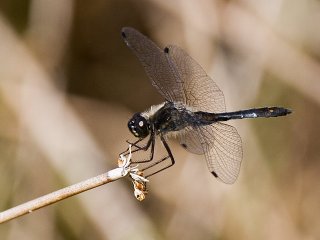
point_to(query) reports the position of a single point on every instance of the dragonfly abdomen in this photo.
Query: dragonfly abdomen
(265, 112)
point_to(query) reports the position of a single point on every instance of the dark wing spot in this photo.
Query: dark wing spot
(166, 49)
(214, 174)
(184, 145)
(123, 35)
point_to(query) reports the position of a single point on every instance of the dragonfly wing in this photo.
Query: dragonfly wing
(158, 66)
(222, 147)
(189, 140)
(201, 92)
(176, 76)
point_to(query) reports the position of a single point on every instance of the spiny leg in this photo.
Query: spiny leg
(137, 147)
(170, 156)
(148, 146)
(126, 152)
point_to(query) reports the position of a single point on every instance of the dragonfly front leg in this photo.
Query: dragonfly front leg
(137, 148)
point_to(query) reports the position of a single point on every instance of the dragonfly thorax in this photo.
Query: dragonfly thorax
(171, 117)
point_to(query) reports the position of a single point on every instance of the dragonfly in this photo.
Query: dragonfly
(194, 111)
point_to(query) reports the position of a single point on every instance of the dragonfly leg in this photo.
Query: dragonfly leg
(169, 157)
(148, 146)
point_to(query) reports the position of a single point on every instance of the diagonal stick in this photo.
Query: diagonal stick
(63, 193)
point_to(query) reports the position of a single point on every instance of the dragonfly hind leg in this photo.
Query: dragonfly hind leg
(169, 158)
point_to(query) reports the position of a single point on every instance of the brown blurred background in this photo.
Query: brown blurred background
(68, 85)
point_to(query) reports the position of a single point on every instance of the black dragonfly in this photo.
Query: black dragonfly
(194, 110)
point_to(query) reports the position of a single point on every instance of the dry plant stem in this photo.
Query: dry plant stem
(61, 194)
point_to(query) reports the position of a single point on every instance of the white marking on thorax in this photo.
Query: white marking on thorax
(154, 108)
(151, 111)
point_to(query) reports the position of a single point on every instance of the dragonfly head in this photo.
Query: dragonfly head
(139, 126)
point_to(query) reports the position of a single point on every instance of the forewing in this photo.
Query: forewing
(200, 90)
(223, 150)
(176, 76)
(156, 64)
